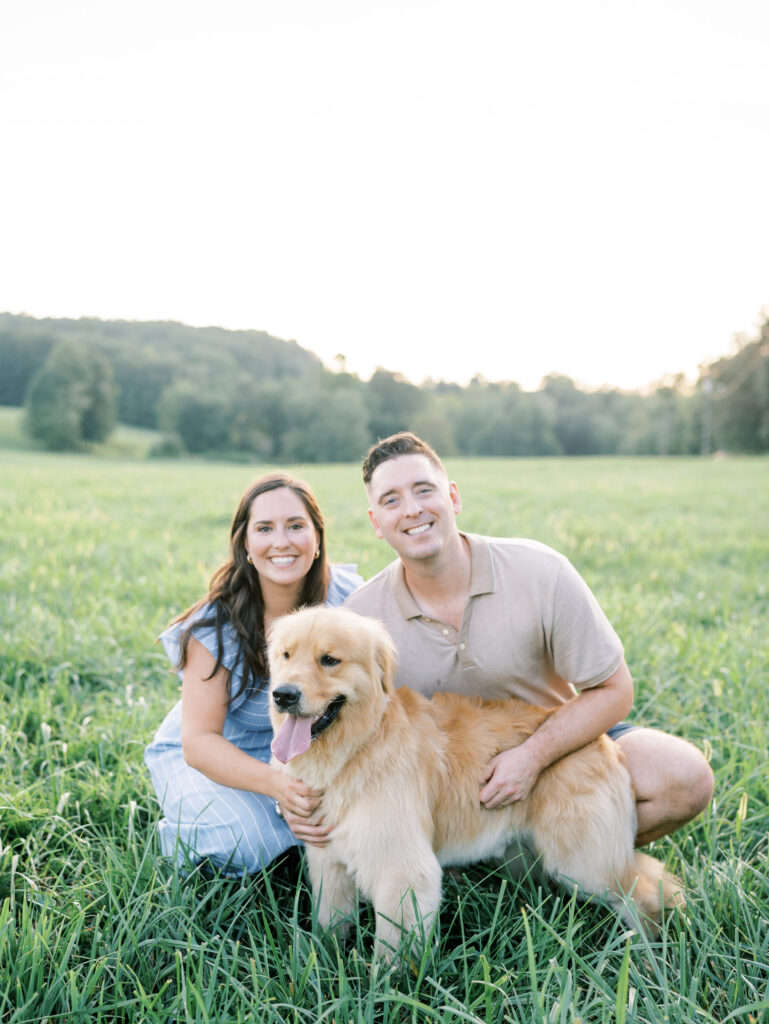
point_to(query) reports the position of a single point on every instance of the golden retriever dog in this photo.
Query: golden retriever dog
(401, 775)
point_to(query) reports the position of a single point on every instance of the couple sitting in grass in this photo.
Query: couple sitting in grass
(494, 617)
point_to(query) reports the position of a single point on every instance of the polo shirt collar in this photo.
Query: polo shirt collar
(481, 576)
(481, 565)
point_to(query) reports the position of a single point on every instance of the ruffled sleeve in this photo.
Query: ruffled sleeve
(206, 635)
(344, 580)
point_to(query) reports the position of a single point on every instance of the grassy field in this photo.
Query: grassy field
(96, 554)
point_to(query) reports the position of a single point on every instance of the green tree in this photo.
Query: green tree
(72, 399)
(740, 395)
(21, 357)
(392, 403)
(270, 405)
(501, 419)
(201, 418)
(586, 422)
(325, 426)
(142, 378)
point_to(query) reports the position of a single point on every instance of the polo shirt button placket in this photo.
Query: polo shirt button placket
(463, 653)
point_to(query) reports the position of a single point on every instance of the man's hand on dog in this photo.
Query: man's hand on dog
(510, 776)
(299, 805)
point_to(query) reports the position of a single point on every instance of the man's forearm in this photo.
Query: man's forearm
(582, 719)
(512, 774)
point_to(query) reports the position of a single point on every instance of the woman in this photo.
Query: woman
(221, 800)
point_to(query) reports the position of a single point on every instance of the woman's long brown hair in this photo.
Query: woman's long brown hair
(236, 595)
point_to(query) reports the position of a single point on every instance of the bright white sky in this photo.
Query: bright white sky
(442, 188)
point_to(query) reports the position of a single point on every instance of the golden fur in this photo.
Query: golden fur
(401, 775)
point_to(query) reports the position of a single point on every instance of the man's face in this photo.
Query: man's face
(413, 506)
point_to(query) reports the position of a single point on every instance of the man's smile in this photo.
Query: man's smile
(414, 531)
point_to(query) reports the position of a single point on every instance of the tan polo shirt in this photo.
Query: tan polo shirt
(531, 627)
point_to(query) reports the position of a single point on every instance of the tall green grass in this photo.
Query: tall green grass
(95, 557)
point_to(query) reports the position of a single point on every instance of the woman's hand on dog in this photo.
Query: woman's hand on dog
(314, 833)
(510, 776)
(299, 805)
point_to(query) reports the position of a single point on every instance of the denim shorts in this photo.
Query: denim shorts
(620, 729)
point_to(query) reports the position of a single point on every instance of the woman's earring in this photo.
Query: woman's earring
(248, 559)
(317, 553)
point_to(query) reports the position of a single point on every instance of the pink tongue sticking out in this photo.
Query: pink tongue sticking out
(293, 738)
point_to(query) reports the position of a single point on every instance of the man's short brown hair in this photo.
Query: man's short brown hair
(404, 443)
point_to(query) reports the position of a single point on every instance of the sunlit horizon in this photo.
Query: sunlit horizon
(533, 381)
(438, 189)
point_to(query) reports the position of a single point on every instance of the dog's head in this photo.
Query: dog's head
(330, 672)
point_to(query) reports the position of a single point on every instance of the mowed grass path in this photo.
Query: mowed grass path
(96, 556)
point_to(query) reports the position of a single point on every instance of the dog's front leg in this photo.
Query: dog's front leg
(333, 890)
(408, 895)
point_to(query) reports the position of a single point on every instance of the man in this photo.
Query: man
(496, 618)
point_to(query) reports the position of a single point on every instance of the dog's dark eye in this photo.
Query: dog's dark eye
(285, 655)
(328, 661)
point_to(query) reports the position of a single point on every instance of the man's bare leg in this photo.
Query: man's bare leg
(672, 780)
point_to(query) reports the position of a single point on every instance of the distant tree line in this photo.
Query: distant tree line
(246, 394)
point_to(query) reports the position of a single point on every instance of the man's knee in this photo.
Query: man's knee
(697, 782)
(668, 768)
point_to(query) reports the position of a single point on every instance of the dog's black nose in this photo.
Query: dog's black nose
(286, 697)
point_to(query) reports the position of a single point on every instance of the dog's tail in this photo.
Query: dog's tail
(652, 890)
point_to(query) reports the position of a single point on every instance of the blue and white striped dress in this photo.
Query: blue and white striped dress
(236, 830)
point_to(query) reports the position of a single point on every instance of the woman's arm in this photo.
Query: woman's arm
(204, 709)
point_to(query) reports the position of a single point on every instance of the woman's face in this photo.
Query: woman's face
(280, 537)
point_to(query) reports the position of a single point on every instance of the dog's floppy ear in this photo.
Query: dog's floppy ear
(386, 659)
